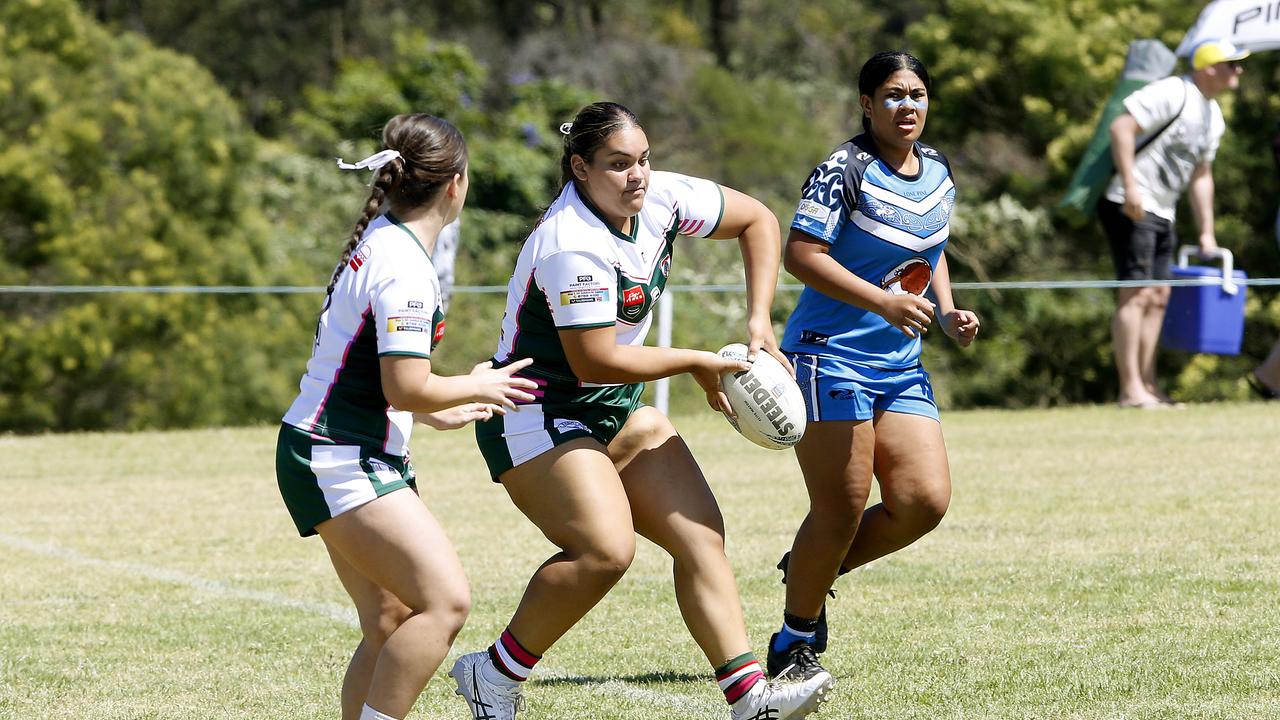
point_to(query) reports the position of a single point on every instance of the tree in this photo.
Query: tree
(123, 164)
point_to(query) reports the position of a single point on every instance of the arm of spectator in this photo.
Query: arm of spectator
(1200, 194)
(1124, 139)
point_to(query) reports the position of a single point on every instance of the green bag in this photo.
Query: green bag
(1146, 61)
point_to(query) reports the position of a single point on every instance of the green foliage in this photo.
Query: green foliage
(513, 147)
(762, 136)
(122, 164)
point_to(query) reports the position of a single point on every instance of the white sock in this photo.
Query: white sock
(368, 713)
(491, 673)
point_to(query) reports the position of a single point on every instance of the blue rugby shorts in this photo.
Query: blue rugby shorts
(836, 389)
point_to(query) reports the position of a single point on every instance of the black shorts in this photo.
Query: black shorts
(1141, 250)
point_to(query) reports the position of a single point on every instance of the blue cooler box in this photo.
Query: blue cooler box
(1205, 318)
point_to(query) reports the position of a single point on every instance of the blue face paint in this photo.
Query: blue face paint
(910, 103)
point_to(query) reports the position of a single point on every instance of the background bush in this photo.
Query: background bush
(146, 143)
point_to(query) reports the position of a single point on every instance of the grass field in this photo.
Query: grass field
(1096, 563)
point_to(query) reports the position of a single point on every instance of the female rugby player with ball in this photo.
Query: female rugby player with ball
(342, 458)
(587, 463)
(867, 240)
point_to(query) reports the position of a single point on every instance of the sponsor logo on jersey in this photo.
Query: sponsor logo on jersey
(912, 276)
(633, 302)
(589, 295)
(664, 266)
(811, 209)
(414, 304)
(408, 323)
(585, 281)
(564, 426)
(438, 335)
(359, 257)
(810, 337)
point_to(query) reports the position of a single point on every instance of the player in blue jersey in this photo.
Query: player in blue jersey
(867, 240)
(342, 459)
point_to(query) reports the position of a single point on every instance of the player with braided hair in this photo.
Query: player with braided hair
(342, 458)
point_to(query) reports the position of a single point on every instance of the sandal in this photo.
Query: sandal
(1152, 404)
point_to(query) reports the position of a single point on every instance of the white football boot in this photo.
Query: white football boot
(783, 701)
(486, 700)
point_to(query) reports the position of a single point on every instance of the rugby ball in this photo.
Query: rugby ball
(770, 407)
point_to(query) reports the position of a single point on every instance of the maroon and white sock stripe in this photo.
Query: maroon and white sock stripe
(511, 658)
(738, 676)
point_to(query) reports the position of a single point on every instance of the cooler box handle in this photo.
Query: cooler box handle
(1228, 265)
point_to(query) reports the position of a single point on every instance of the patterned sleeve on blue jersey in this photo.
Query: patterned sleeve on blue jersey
(824, 201)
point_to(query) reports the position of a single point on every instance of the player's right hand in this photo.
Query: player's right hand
(501, 387)
(707, 374)
(909, 313)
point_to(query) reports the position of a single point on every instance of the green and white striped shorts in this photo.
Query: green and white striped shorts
(509, 440)
(320, 478)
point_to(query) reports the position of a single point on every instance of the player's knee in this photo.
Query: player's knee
(647, 429)
(929, 509)
(390, 616)
(452, 609)
(607, 562)
(698, 546)
(839, 515)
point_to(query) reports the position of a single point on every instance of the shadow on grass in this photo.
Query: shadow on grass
(652, 678)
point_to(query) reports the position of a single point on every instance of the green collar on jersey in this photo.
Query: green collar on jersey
(635, 220)
(396, 221)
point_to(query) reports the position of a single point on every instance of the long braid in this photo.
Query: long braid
(387, 179)
(432, 152)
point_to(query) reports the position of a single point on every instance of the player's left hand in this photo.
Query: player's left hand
(961, 326)
(459, 415)
(760, 337)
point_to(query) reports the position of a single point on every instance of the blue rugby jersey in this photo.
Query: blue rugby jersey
(886, 228)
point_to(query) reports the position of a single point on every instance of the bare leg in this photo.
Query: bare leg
(915, 487)
(381, 613)
(1149, 340)
(1126, 335)
(836, 459)
(1269, 371)
(673, 506)
(394, 546)
(575, 497)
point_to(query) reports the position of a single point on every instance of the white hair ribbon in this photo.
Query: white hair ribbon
(374, 162)
(566, 128)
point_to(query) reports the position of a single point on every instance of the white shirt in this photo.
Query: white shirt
(1164, 167)
(578, 271)
(386, 302)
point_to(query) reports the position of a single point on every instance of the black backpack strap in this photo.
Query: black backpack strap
(1158, 133)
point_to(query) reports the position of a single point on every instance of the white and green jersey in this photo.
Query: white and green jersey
(578, 271)
(386, 302)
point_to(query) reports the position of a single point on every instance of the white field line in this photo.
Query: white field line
(340, 613)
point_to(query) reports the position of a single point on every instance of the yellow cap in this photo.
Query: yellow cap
(1212, 52)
